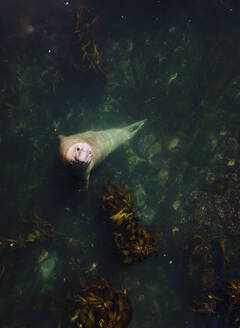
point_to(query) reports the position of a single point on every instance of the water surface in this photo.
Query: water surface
(176, 65)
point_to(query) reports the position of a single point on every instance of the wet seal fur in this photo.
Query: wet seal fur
(83, 151)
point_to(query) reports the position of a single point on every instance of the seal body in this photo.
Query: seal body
(83, 151)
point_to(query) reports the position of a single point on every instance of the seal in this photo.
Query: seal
(83, 151)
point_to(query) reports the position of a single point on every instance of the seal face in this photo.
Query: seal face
(80, 154)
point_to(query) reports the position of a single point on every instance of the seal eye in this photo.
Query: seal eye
(78, 149)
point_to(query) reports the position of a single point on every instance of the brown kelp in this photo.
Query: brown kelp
(210, 290)
(91, 302)
(77, 301)
(133, 241)
(202, 269)
(222, 301)
(202, 260)
(85, 31)
(36, 230)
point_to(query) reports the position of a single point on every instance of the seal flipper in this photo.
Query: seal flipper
(82, 183)
(135, 127)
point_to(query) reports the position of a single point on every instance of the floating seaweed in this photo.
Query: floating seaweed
(204, 269)
(86, 37)
(223, 301)
(41, 230)
(37, 231)
(9, 101)
(133, 241)
(80, 302)
(203, 257)
(216, 296)
(56, 78)
(91, 302)
(207, 305)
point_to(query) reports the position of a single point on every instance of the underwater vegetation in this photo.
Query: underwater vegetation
(133, 241)
(86, 36)
(211, 254)
(36, 232)
(56, 78)
(77, 301)
(226, 200)
(8, 99)
(209, 289)
(215, 209)
(92, 302)
(84, 51)
(222, 301)
(158, 71)
(40, 230)
(206, 260)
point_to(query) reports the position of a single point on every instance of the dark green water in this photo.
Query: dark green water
(173, 63)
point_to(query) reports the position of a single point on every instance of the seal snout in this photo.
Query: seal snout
(80, 154)
(83, 152)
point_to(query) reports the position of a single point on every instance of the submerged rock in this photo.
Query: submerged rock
(173, 144)
(176, 204)
(148, 215)
(47, 265)
(162, 177)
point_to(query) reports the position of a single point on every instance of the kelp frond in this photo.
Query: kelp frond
(132, 240)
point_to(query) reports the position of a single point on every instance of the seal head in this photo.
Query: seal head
(80, 155)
